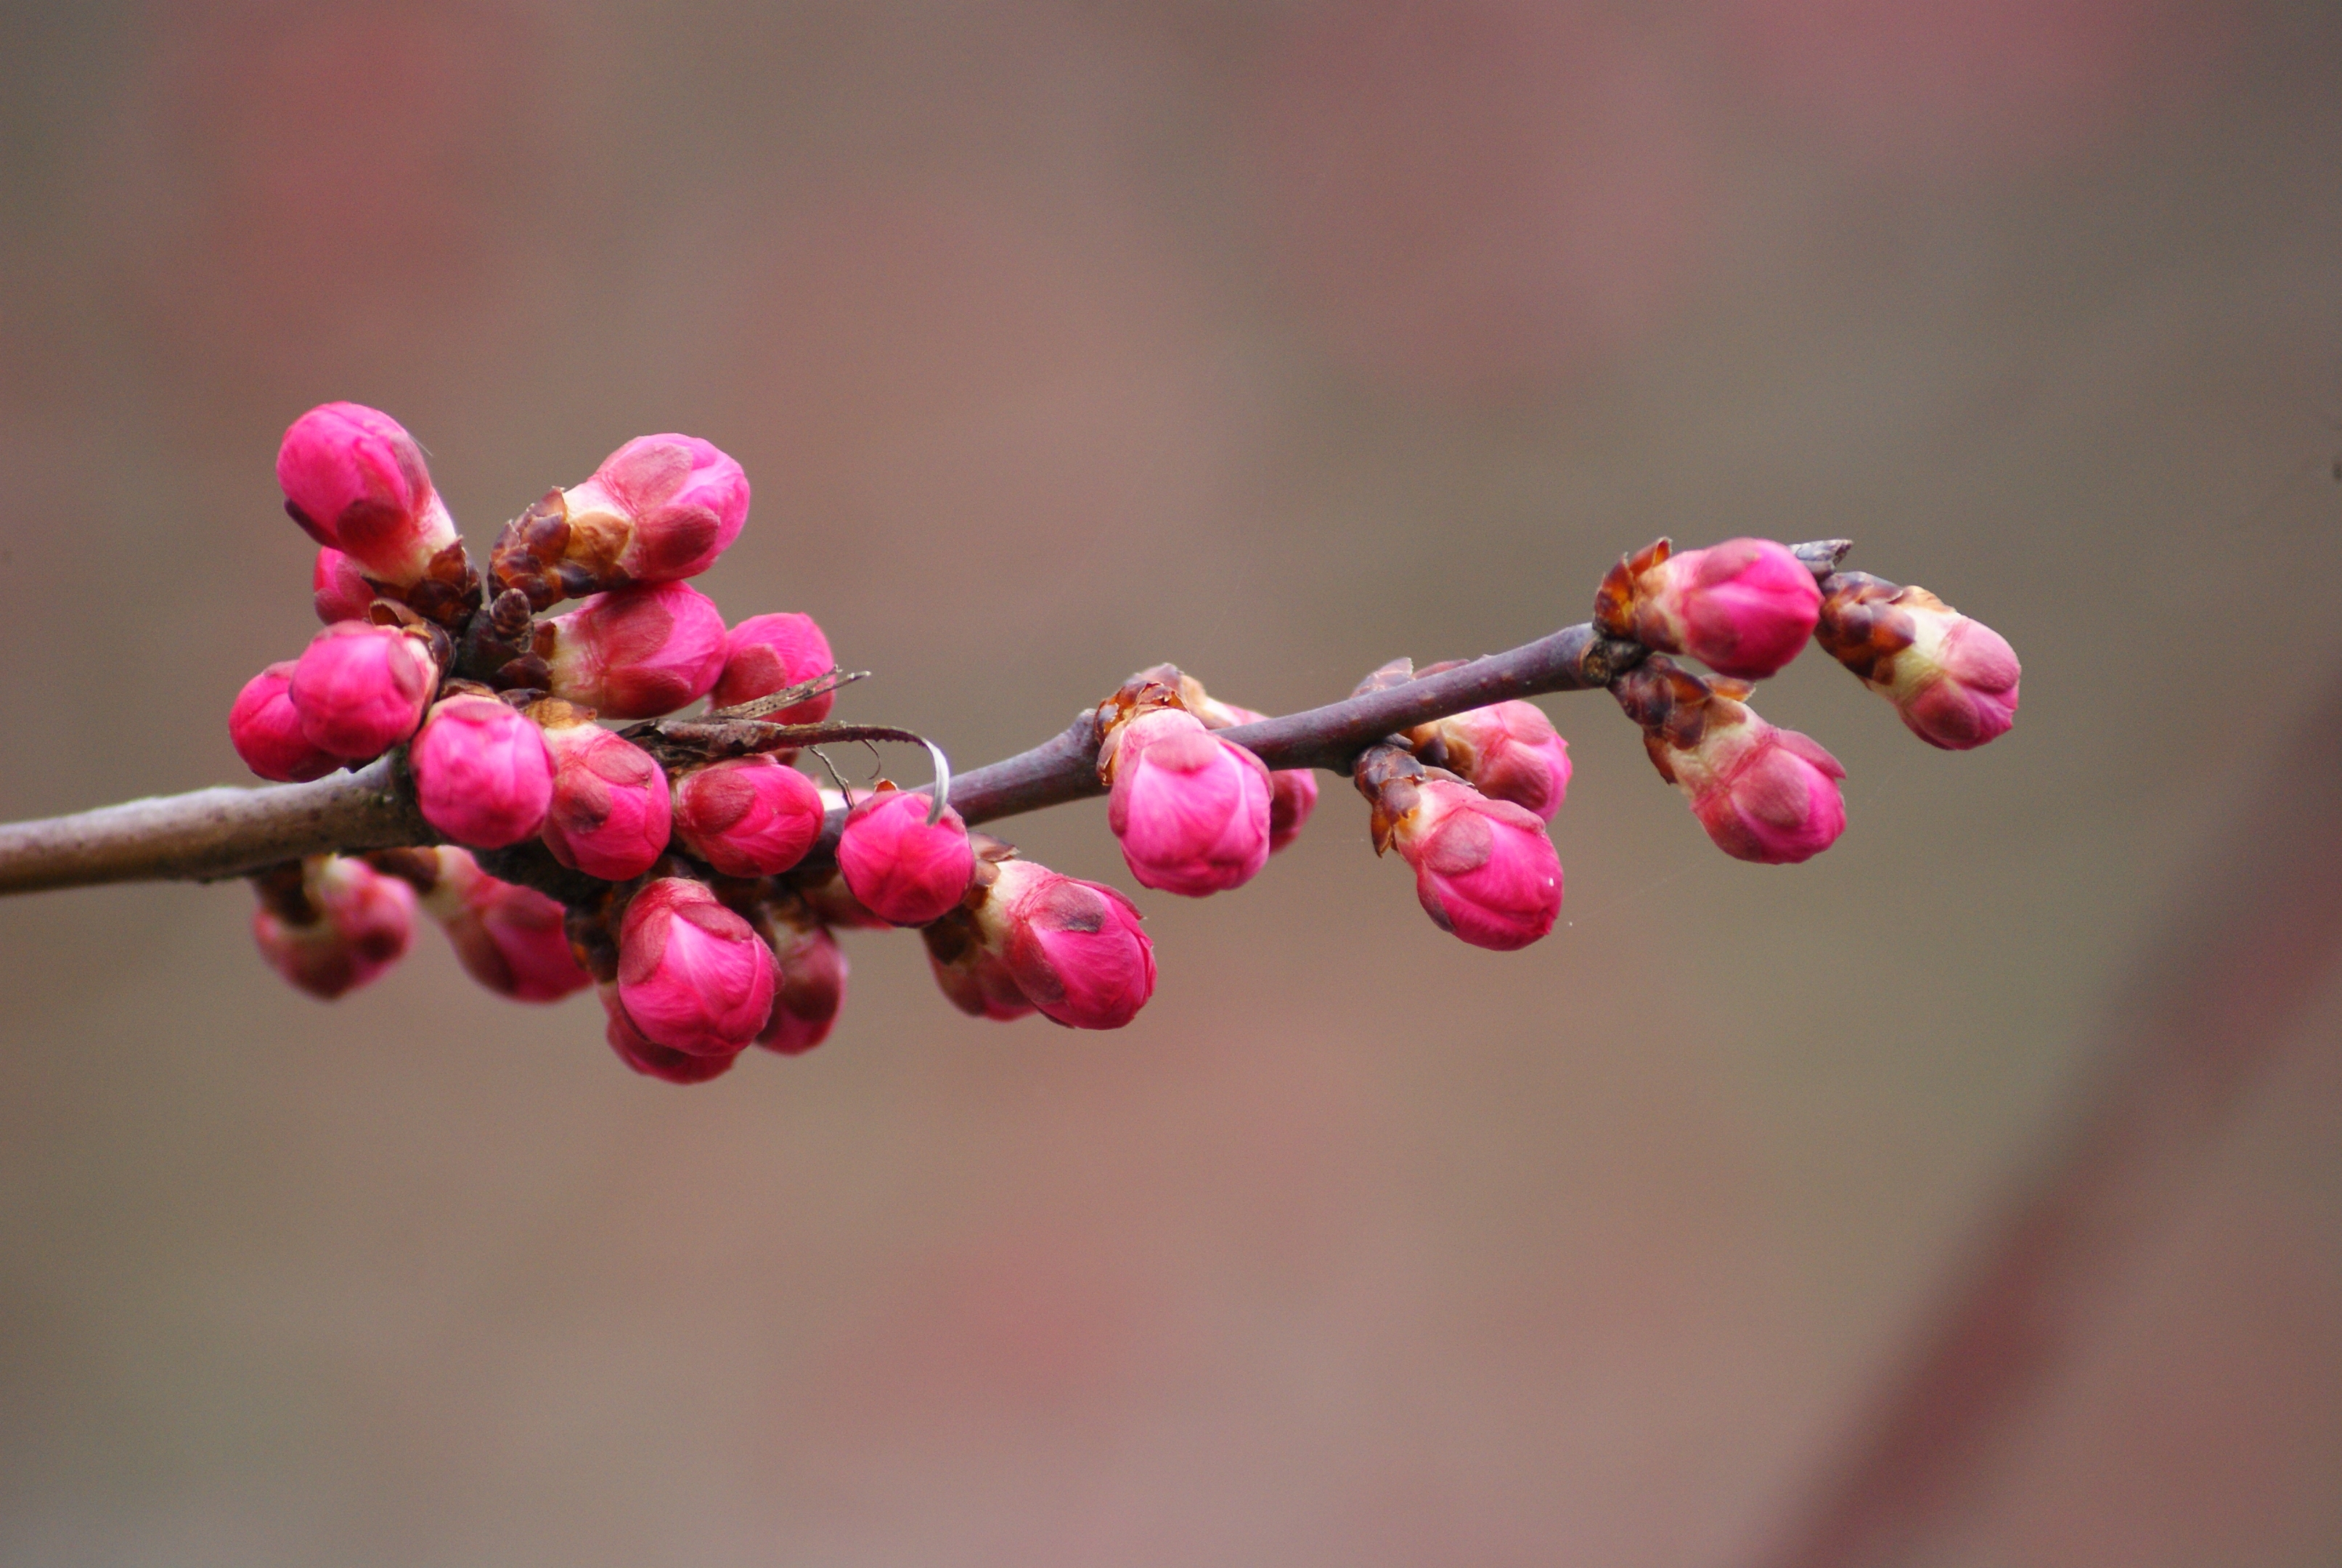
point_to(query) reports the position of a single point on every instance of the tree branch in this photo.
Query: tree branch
(226, 832)
(214, 833)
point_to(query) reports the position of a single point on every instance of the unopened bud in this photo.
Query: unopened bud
(833, 903)
(1763, 793)
(1292, 792)
(660, 508)
(768, 654)
(329, 925)
(361, 689)
(483, 776)
(1484, 869)
(653, 1060)
(694, 976)
(899, 865)
(1190, 810)
(1953, 679)
(812, 987)
(265, 729)
(635, 653)
(748, 816)
(609, 816)
(1744, 607)
(1074, 949)
(972, 974)
(356, 480)
(338, 588)
(1508, 751)
(509, 938)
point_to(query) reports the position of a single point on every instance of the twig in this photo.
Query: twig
(221, 833)
(214, 832)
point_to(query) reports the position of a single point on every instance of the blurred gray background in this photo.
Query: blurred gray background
(1276, 340)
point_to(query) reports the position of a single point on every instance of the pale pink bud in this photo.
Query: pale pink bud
(609, 816)
(900, 867)
(1507, 751)
(338, 589)
(635, 652)
(509, 938)
(811, 991)
(1763, 794)
(660, 508)
(1074, 949)
(1484, 869)
(768, 654)
(1191, 809)
(265, 729)
(748, 816)
(332, 925)
(1744, 607)
(653, 1060)
(1953, 679)
(361, 689)
(694, 976)
(483, 776)
(356, 481)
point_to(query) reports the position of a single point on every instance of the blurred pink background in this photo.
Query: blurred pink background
(1276, 340)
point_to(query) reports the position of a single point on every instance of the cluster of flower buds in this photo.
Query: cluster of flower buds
(1745, 608)
(693, 906)
(1465, 800)
(695, 876)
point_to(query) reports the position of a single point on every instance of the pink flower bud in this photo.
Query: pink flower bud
(1293, 792)
(265, 730)
(1073, 949)
(1507, 752)
(748, 816)
(609, 816)
(357, 482)
(511, 939)
(330, 925)
(1293, 796)
(636, 652)
(1744, 607)
(338, 589)
(1953, 679)
(1484, 869)
(694, 976)
(361, 689)
(655, 1061)
(1763, 793)
(660, 508)
(972, 974)
(1191, 809)
(483, 776)
(898, 866)
(811, 991)
(767, 654)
